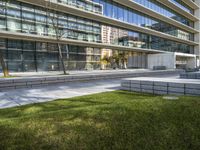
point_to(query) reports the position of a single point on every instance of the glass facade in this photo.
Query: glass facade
(20, 17)
(183, 6)
(125, 14)
(32, 56)
(83, 4)
(164, 10)
(122, 37)
(22, 56)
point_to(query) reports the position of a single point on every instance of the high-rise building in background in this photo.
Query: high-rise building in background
(122, 33)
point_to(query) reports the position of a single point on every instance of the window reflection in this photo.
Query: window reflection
(159, 8)
(117, 11)
(34, 20)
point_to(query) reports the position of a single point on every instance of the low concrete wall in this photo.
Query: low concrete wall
(190, 75)
(159, 86)
(165, 59)
(16, 83)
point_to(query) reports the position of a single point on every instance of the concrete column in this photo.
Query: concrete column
(197, 36)
(191, 63)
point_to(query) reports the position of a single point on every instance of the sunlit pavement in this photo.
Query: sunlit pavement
(66, 90)
(42, 94)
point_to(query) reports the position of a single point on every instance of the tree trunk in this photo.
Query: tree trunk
(62, 60)
(3, 65)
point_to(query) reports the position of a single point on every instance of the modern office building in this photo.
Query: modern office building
(124, 33)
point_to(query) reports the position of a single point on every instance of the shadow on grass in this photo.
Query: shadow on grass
(113, 120)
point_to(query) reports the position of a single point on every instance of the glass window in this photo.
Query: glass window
(28, 28)
(2, 23)
(14, 25)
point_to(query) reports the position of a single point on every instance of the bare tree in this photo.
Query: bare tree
(2, 61)
(56, 30)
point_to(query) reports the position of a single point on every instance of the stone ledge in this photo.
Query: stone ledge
(190, 75)
(170, 86)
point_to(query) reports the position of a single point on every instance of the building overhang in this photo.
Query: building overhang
(184, 55)
(191, 4)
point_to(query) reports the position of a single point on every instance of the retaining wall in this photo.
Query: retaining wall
(190, 75)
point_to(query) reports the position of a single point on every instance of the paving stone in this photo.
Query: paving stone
(160, 92)
(198, 77)
(33, 83)
(22, 86)
(135, 85)
(147, 82)
(192, 86)
(4, 81)
(148, 87)
(160, 88)
(135, 82)
(6, 85)
(192, 91)
(51, 78)
(7, 88)
(50, 82)
(176, 85)
(175, 93)
(178, 90)
(147, 91)
(160, 83)
(36, 85)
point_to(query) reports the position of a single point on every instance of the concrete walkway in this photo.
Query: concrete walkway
(42, 94)
(25, 96)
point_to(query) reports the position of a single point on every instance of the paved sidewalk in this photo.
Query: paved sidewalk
(43, 94)
(20, 97)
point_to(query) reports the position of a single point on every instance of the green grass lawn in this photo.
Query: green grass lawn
(112, 120)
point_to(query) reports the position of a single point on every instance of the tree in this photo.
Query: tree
(123, 58)
(118, 60)
(55, 28)
(2, 61)
(105, 61)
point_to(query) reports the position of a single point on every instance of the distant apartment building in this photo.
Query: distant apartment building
(147, 32)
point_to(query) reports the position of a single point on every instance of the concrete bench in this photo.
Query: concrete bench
(159, 68)
(190, 75)
(162, 86)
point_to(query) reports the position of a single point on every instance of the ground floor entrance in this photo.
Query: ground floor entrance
(172, 60)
